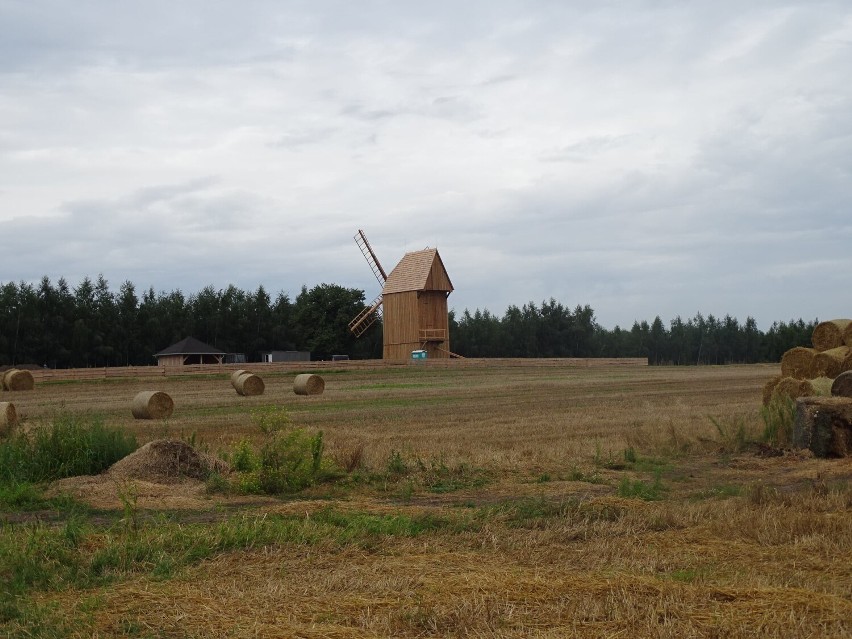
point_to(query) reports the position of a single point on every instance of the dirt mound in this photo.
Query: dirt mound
(166, 461)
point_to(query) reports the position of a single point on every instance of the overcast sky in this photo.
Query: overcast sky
(645, 158)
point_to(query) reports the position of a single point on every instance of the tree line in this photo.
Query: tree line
(91, 325)
(553, 330)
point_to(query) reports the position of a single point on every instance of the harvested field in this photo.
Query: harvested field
(538, 500)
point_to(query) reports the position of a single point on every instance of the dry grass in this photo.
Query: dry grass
(739, 545)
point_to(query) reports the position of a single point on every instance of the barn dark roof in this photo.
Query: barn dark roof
(190, 346)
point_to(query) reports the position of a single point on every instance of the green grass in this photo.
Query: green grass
(640, 489)
(722, 491)
(65, 446)
(37, 557)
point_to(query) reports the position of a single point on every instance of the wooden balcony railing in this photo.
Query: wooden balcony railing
(433, 335)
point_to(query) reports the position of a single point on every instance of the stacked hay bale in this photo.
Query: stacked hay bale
(808, 372)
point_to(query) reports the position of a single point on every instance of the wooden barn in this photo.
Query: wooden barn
(189, 351)
(415, 313)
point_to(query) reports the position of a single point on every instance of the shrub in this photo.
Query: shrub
(288, 460)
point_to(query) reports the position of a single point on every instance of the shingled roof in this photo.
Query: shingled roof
(418, 271)
(190, 346)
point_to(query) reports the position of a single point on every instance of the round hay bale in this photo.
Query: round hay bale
(152, 405)
(235, 375)
(8, 418)
(797, 362)
(821, 386)
(842, 385)
(3, 377)
(847, 363)
(769, 387)
(847, 335)
(18, 380)
(249, 384)
(793, 388)
(830, 334)
(830, 363)
(307, 384)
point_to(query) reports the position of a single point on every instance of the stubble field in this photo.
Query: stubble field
(480, 500)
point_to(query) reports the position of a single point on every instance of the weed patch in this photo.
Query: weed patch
(66, 446)
(640, 489)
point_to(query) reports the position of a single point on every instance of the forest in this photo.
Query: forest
(59, 326)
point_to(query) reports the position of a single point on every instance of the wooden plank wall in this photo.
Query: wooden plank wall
(401, 325)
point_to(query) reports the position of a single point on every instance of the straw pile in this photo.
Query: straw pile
(830, 356)
(769, 387)
(831, 334)
(307, 384)
(842, 386)
(8, 418)
(249, 384)
(152, 405)
(17, 380)
(165, 461)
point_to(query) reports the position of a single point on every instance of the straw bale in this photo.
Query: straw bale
(847, 363)
(847, 335)
(842, 386)
(830, 363)
(769, 387)
(165, 461)
(152, 405)
(797, 362)
(249, 384)
(793, 388)
(18, 380)
(3, 378)
(8, 418)
(824, 425)
(307, 384)
(235, 375)
(830, 334)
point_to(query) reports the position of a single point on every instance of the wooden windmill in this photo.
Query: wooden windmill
(413, 304)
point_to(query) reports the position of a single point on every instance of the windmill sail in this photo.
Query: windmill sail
(373, 311)
(372, 260)
(366, 318)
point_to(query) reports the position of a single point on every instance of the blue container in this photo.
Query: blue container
(418, 354)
